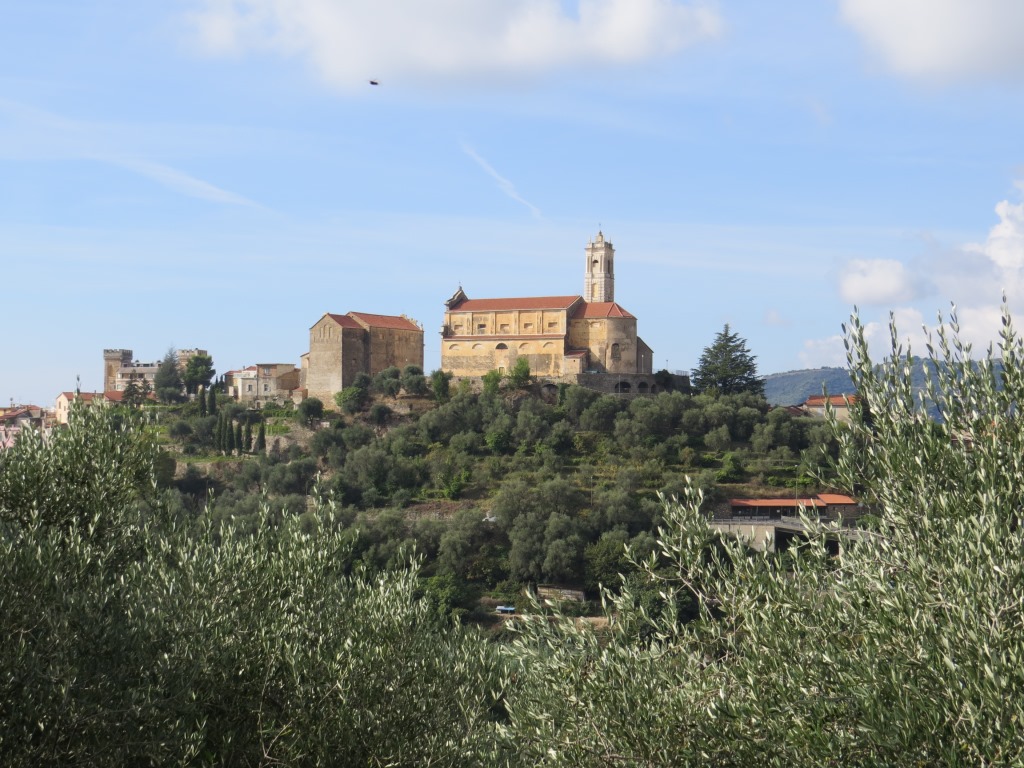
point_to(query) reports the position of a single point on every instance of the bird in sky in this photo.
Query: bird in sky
(374, 82)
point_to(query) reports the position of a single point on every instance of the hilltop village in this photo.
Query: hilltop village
(581, 356)
(587, 339)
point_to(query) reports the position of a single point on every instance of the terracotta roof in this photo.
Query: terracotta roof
(344, 321)
(840, 401)
(776, 503)
(529, 302)
(603, 309)
(85, 396)
(117, 396)
(836, 498)
(385, 321)
(576, 353)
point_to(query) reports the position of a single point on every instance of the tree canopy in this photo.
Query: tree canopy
(199, 372)
(168, 383)
(727, 367)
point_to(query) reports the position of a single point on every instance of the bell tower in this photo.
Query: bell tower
(599, 283)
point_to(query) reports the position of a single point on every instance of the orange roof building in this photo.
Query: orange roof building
(560, 336)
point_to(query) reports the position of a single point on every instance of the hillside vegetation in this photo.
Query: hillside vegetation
(142, 632)
(496, 489)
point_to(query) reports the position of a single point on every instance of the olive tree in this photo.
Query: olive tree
(156, 642)
(907, 648)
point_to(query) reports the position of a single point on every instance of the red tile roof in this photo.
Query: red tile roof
(385, 321)
(837, 401)
(530, 302)
(85, 396)
(603, 309)
(344, 321)
(776, 503)
(836, 498)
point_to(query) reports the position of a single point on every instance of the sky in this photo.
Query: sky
(220, 173)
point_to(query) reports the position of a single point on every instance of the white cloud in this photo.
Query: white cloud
(875, 281)
(349, 41)
(504, 184)
(974, 275)
(944, 39)
(823, 352)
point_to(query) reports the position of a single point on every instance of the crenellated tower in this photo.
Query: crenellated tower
(599, 284)
(113, 361)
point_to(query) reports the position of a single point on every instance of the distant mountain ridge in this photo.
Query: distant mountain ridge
(794, 387)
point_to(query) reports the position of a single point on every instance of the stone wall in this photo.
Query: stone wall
(611, 342)
(394, 347)
(470, 357)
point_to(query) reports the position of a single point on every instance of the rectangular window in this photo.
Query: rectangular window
(504, 328)
(553, 324)
(266, 387)
(481, 328)
(527, 327)
(248, 387)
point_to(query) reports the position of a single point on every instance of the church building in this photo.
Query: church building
(341, 346)
(562, 337)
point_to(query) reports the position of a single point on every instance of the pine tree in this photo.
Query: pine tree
(168, 383)
(727, 367)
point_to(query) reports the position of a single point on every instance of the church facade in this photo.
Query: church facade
(562, 337)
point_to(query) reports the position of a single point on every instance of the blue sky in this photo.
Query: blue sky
(220, 173)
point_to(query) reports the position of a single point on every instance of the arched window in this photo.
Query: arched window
(616, 352)
(502, 345)
(642, 387)
(524, 347)
(622, 388)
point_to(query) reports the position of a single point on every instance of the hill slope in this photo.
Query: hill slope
(794, 387)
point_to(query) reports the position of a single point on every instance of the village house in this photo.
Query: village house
(816, 405)
(18, 417)
(120, 368)
(62, 405)
(262, 383)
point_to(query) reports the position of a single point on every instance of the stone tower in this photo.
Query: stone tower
(599, 284)
(113, 361)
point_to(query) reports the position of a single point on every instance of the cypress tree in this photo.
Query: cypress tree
(238, 439)
(229, 441)
(202, 401)
(261, 439)
(247, 437)
(212, 400)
